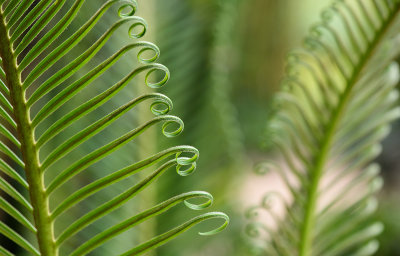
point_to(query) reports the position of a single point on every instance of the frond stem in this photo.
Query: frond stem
(37, 191)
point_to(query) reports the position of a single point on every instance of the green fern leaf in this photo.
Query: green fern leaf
(30, 51)
(337, 102)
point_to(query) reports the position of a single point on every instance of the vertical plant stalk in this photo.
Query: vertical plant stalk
(146, 200)
(34, 175)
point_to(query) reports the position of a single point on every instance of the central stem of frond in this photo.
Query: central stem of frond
(306, 236)
(34, 175)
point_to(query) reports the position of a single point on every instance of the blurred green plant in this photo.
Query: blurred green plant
(30, 48)
(203, 62)
(337, 101)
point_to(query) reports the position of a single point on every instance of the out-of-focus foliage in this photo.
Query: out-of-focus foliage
(388, 213)
(337, 101)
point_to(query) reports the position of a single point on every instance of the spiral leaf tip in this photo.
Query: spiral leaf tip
(213, 215)
(202, 206)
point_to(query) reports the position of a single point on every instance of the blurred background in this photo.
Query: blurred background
(226, 59)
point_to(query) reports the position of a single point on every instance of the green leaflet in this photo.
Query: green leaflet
(29, 72)
(337, 101)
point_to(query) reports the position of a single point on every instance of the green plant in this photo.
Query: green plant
(30, 48)
(336, 104)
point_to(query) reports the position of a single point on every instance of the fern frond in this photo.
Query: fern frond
(337, 101)
(30, 72)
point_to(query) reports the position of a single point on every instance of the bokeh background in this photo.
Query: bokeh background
(226, 59)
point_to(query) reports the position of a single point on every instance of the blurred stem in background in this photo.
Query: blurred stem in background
(265, 40)
(198, 41)
(148, 144)
(180, 37)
